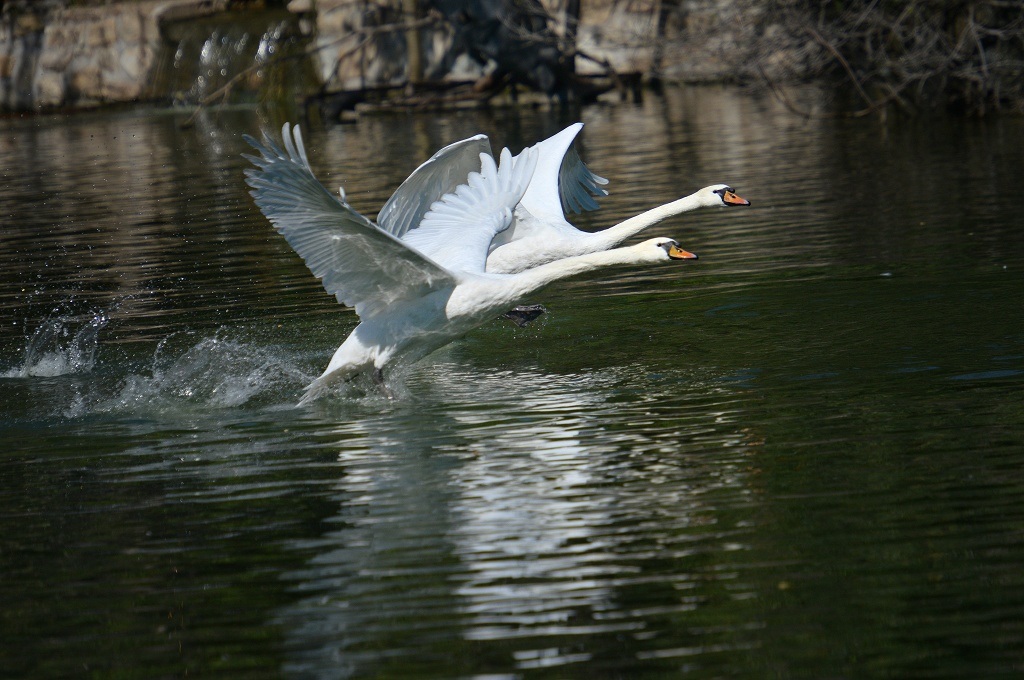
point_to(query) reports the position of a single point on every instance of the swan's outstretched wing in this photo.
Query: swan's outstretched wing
(361, 265)
(439, 175)
(562, 181)
(457, 230)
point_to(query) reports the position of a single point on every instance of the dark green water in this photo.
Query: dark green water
(800, 457)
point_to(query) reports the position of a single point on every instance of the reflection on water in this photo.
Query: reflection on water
(797, 458)
(529, 522)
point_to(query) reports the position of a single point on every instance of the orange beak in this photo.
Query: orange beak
(729, 198)
(677, 253)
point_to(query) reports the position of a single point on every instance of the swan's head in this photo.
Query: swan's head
(666, 249)
(721, 194)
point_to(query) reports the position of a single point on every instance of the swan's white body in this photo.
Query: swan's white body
(419, 293)
(539, 232)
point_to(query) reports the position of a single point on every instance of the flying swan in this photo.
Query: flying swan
(419, 293)
(539, 232)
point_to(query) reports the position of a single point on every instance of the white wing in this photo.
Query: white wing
(439, 175)
(457, 230)
(562, 181)
(360, 264)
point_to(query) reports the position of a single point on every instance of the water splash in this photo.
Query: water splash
(185, 370)
(217, 372)
(63, 344)
(235, 57)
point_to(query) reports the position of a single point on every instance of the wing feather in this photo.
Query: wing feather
(578, 184)
(439, 175)
(457, 230)
(361, 265)
(562, 181)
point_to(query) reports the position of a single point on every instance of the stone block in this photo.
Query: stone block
(92, 34)
(114, 89)
(129, 29)
(108, 29)
(27, 23)
(106, 59)
(59, 46)
(132, 63)
(86, 81)
(50, 89)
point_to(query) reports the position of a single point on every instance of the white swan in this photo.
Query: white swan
(417, 294)
(540, 232)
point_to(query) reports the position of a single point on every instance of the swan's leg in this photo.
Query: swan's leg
(322, 385)
(524, 314)
(378, 380)
(346, 374)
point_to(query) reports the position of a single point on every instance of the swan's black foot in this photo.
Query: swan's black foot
(524, 314)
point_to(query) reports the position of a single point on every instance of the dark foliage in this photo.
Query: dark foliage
(515, 35)
(967, 54)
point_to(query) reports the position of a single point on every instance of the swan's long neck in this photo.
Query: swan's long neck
(538, 277)
(613, 236)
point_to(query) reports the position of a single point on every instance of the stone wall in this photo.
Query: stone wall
(94, 56)
(342, 25)
(698, 41)
(54, 56)
(687, 41)
(619, 32)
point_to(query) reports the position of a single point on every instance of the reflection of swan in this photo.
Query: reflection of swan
(539, 232)
(496, 542)
(420, 293)
(548, 507)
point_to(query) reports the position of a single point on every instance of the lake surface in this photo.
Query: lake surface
(800, 457)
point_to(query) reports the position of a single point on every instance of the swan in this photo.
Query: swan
(540, 232)
(416, 294)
